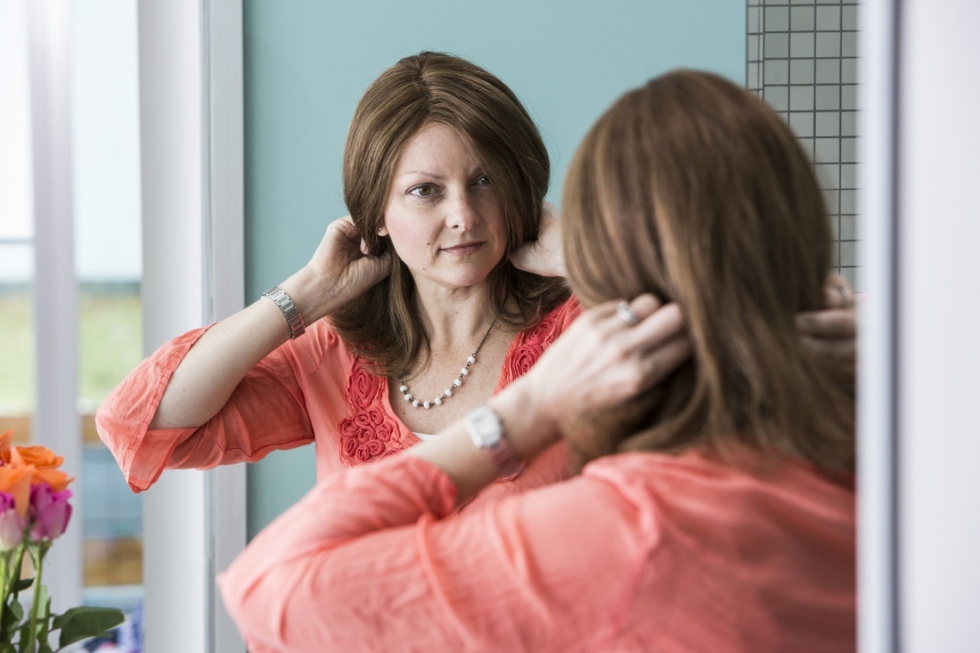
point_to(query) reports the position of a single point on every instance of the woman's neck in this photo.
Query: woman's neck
(453, 316)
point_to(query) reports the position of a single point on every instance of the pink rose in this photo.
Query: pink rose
(543, 333)
(375, 448)
(11, 523)
(350, 445)
(369, 419)
(523, 359)
(362, 387)
(50, 512)
(384, 432)
(363, 454)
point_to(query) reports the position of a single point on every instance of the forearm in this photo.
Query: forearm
(529, 430)
(212, 369)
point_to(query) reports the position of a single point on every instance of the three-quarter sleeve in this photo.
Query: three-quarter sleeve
(367, 561)
(265, 412)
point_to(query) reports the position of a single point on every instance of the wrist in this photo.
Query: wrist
(289, 310)
(311, 294)
(530, 427)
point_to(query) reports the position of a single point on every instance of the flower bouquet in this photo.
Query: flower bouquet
(34, 511)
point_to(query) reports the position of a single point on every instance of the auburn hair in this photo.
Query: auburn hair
(384, 326)
(693, 189)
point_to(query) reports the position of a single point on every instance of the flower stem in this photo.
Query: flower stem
(5, 589)
(37, 553)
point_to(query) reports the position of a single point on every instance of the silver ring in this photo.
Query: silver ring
(626, 314)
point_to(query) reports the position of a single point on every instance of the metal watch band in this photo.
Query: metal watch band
(294, 319)
(487, 433)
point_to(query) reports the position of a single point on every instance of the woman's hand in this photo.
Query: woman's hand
(340, 270)
(543, 256)
(832, 332)
(603, 359)
(606, 356)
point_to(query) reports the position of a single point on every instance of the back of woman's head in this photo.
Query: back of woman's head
(693, 189)
(383, 326)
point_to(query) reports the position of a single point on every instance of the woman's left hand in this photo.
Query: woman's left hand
(832, 331)
(606, 356)
(543, 256)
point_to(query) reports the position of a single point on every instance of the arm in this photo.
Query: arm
(371, 543)
(220, 359)
(207, 397)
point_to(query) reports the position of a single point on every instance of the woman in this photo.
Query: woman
(715, 511)
(427, 317)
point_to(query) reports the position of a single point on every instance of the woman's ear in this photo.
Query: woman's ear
(382, 231)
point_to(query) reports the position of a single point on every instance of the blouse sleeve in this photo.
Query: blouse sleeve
(367, 562)
(265, 412)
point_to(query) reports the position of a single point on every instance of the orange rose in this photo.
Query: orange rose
(16, 481)
(42, 462)
(40, 457)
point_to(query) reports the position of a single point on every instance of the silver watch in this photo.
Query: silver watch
(294, 319)
(487, 433)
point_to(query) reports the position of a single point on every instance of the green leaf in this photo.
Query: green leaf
(23, 584)
(44, 648)
(83, 622)
(11, 618)
(7, 647)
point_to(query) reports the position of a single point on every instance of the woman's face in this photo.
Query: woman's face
(443, 216)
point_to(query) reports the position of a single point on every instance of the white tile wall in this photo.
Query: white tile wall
(802, 59)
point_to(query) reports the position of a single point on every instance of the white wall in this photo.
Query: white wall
(939, 348)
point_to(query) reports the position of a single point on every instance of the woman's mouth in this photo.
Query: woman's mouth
(463, 249)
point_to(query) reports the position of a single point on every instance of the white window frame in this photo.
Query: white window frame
(193, 273)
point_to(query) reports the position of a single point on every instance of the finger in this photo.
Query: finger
(837, 292)
(844, 351)
(661, 327)
(657, 323)
(347, 227)
(665, 360)
(829, 324)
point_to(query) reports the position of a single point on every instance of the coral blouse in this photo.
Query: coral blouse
(641, 552)
(311, 389)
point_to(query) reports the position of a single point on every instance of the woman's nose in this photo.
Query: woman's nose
(463, 213)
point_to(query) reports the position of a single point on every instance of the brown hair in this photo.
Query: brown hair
(693, 189)
(383, 325)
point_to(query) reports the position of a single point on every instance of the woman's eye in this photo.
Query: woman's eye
(483, 180)
(423, 190)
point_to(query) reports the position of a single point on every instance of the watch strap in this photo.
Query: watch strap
(294, 319)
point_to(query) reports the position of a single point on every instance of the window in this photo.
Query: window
(99, 290)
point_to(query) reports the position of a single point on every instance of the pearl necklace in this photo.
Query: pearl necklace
(456, 384)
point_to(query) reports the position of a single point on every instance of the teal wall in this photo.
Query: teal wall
(307, 62)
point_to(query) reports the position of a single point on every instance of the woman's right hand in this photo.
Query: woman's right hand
(340, 270)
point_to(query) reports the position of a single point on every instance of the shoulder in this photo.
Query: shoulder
(553, 324)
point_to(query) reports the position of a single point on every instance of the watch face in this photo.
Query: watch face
(484, 427)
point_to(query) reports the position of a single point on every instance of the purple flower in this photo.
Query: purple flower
(49, 512)
(11, 523)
